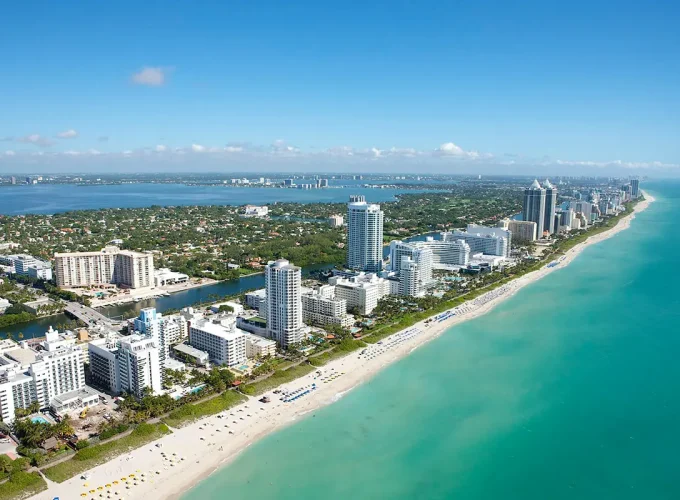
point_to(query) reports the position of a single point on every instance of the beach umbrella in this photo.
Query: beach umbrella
(108, 485)
(83, 494)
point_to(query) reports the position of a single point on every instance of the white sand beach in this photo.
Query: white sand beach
(191, 453)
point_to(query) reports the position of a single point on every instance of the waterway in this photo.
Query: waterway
(55, 198)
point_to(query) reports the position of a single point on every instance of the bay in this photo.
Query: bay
(567, 390)
(55, 198)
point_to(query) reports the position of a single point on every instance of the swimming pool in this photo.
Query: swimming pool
(39, 420)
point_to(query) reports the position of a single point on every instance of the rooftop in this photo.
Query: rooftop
(191, 351)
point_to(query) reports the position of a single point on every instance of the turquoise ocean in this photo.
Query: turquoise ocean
(568, 390)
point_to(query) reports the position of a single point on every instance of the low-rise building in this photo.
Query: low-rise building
(259, 347)
(321, 307)
(256, 298)
(232, 307)
(361, 292)
(187, 352)
(256, 211)
(221, 339)
(165, 276)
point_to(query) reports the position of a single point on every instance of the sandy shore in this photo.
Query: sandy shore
(192, 453)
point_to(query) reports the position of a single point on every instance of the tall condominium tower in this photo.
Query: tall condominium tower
(364, 235)
(550, 204)
(635, 188)
(284, 302)
(534, 207)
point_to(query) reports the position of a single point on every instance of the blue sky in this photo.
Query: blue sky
(460, 86)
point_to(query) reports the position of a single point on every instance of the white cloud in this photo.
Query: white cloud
(94, 152)
(72, 153)
(161, 148)
(9, 152)
(67, 134)
(233, 149)
(36, 139)
(450, 149)
(280, 146)
(198, 148)
(150, 76)
(616, 163)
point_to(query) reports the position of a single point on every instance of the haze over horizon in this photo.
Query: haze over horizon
(457, 88)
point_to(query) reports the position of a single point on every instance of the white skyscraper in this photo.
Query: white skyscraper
(364, 235)
(284, 302)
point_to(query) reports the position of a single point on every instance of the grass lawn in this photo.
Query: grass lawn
(190, 412)
(22, 485)
(338, 351)
(98, 454)
(276, 379)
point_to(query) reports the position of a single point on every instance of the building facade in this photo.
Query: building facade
(550, 206)
(284, 302)
(321, 307)
(533, 208)
(361, 292)
(364, 235)
(486, 240)
(225, 343)
(110, 266)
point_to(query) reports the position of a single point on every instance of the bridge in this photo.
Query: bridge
(89, 316)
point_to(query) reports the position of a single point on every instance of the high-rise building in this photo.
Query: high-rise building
(111, 265)
(419, 258)
(550, 205)
(534, 207)
(635, 188)
(139, 366)
(364, 235)
(13, 180)
(284, 302)
(150, 324)
(446, 253)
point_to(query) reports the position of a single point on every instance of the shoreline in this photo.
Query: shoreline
(212, 445)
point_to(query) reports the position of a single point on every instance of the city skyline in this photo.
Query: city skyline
(451, 88)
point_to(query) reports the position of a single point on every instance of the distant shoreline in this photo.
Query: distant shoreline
(203, 457)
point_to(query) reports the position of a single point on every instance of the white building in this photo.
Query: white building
(420, 253)
(256, 298)
(284, 302)
(41, 270)
(336, 220)
(415, 273)
(57, 372)
(448, 253)
(256, 211)
(486, 240)
(364, 235)
(321, 307)
(236, 308)
(257, 346)
(139, 367)
(27, 376)
(362, 291)
(221, 339)
(165, 276)
(197, 356)
(109, 266)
